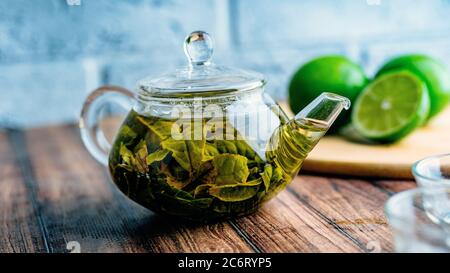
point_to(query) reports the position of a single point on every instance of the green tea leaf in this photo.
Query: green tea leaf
(230, 169)
(185, 207)
(127, 155)
(188, 153)
(178, 202)
(126, 135)
(240, 147)
(177, 183)
(136, 161)
(254, 170)
(210, 152)
(266, 176)
(175, 175)
(161, 186)
(277, 182)
(236, 208)
(244, 149)
(127, 158)
(202, 190)
(228, 140)
(235, 193)
(226, 147)
(200, 203)
(162, 128)
(141, 152)
(277, 175)
(208, 175)
(176, 171)
(156, 156)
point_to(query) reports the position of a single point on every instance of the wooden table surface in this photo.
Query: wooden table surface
(52, 192)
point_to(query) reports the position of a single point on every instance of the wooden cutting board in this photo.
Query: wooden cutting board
(335, 155)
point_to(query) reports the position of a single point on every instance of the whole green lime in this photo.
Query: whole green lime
(435, 75)
(336, 74)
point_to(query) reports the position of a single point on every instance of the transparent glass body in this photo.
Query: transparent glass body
(204, 143)
(433, 171)
(215, 163)
(211, 157)
(420, 219)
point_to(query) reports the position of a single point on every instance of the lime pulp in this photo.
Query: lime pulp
(391, 107)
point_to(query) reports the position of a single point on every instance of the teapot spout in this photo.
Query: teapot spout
(324, 109)
(291, 142)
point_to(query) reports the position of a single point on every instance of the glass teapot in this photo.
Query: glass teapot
(204, 142)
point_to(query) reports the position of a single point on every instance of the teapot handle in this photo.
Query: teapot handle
(91, 133)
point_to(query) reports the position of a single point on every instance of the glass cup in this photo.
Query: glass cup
(420, 220)
(432, 171)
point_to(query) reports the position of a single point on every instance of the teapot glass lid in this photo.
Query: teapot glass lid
(201, 75)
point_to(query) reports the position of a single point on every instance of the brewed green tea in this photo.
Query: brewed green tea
(203, 169)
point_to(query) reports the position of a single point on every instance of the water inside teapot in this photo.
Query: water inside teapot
(215, 176)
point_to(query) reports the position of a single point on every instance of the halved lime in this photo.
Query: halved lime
(391, 107)
(433, 73)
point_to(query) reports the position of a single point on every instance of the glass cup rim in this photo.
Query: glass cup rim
(400, 197)
(417, 173)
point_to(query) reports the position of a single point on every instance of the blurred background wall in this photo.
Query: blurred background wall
(54, 52)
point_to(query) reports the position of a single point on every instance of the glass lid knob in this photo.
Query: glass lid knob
(198, 48)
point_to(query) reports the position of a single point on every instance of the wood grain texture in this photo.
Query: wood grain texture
(354, 207)
(392, 187)
(336, 155)
(79, 204)
(323, 214)
(53, 192)
(19, 220)
(286, 225)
